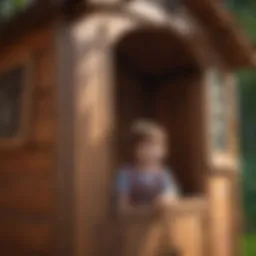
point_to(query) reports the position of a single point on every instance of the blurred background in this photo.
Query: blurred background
(245, 11)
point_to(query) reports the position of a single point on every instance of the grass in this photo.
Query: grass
(249, 245)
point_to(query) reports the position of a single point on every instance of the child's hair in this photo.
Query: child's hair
(147, 131)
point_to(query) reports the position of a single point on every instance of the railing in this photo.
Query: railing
(176, 231)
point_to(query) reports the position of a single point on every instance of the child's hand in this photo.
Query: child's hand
(164, 201)
(137, 211)
(125, 208)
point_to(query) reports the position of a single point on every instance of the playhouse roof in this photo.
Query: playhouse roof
(225, 33)
(227, 37)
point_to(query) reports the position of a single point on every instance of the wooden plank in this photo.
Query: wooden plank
(66, 148)
(185, 126)
(188, 227)
(27, 44)
(188, 234)
(18, 237)
(45, 74)
(44, 131)
(25, 162)
(220, 194)
(11, 250)
(45, 104)
(27, 193)
(143, 237)
(27, 174)
(89, 121)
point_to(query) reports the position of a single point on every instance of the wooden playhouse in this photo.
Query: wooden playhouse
(73, 76)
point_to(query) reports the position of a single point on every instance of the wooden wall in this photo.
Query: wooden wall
(129, 109)
(222, 211)
(27, 173)
(180, 105)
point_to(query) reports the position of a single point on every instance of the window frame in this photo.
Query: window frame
(227, 157)
(26, 99)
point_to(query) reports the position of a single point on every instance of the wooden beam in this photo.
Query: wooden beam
(222, 29)
(66, 145)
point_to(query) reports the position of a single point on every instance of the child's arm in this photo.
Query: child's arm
(125, 208)
(170, 191)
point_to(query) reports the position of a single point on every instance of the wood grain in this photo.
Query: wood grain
(28, 174)
(31, 193)
(18, 237)
(220, 195)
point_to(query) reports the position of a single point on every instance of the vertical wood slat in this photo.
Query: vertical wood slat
(189, 235)
(27, 234)
(189, 227)
(66, 147)
(93, 128)
(27, 193)
(220, 196)
(27, 173)
(85, 149)
(179, 109)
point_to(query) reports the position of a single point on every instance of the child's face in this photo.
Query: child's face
(150, 152)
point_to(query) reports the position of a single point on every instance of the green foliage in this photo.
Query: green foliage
(249, 245)
(9, 8)
(247, 81)
(245, 11)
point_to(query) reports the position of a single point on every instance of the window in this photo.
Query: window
(218, 112)
(14, 99)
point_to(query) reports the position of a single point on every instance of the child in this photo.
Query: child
(145, 181)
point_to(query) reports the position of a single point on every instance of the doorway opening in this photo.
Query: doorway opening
(157, 78)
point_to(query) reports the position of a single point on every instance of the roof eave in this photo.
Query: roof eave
(226, 35)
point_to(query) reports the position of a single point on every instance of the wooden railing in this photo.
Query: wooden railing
(178, 230)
